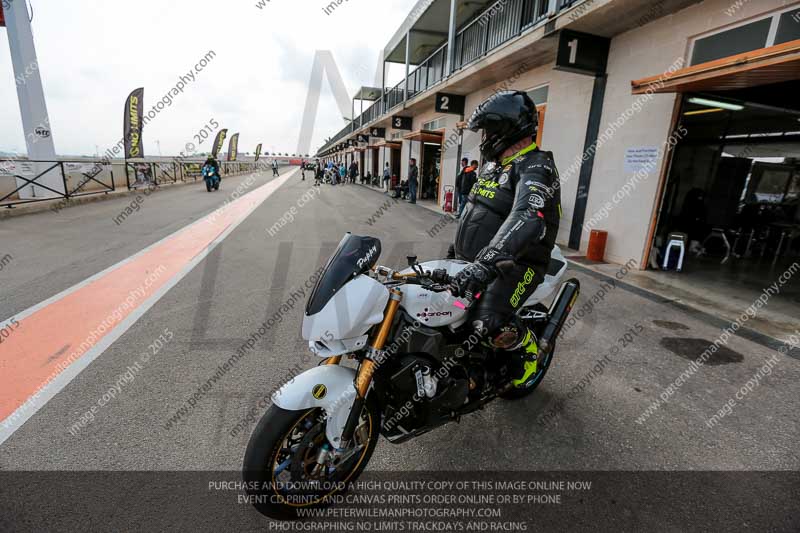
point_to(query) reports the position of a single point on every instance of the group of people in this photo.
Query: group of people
(406, 189)
(337, 173)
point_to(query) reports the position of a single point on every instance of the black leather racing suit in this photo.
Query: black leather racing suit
(514, 208)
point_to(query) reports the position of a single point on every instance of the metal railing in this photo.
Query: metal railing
(75, 178)
(164, 173)
(24, 181)
(373, 112)
(499, 23)
(394, 96)
(564, 4)
(151, 174)
(428, 73)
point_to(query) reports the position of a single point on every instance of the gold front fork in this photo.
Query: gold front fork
(377, 342)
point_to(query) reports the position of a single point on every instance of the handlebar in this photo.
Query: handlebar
(440, 280)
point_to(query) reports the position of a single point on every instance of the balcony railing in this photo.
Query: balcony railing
(372, 112)
(394, 96)
(428, 73)
(499, 23)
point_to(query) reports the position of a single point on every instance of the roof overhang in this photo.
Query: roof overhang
(428, 24)
(760, 67)
(425, 136)
(368, 93)
(388, 144)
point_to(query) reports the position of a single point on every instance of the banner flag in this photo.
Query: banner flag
(233, 147)
(219, 142)
(132, 129)
(258, 152)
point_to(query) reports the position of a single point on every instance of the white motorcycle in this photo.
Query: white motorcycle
(417, 364)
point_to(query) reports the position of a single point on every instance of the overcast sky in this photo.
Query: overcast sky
(92, 53)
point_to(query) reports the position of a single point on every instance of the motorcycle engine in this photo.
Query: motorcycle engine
(420, 392)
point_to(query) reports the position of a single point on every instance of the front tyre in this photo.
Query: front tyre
(289, 464)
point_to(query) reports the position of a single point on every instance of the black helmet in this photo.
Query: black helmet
(506, 118)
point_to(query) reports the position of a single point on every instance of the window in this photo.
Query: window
(433, 124)
(539, 95)
(780, 27)
(788, 27)
(773, 184)
(729, 43)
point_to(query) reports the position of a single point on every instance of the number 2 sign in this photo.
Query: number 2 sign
(450, 103)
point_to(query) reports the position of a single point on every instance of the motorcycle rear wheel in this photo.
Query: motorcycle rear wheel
(280, 439)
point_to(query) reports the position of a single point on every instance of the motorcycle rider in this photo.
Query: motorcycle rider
(509, 226)
(214, 164)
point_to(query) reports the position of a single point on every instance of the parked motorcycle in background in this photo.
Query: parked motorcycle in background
(416, 364)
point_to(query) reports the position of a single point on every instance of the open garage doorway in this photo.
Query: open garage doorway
(731, 198)
(431, 171)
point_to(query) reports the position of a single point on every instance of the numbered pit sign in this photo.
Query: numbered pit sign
(401, 123)
(582, 53)
(450, 103)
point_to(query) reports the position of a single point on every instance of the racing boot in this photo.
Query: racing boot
(525, 359)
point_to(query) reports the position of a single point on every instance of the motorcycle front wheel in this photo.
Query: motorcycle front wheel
(208, 185)
(289, 465)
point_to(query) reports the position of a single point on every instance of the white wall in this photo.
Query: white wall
(646, 51)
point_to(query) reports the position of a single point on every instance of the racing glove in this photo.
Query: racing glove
(489, 264)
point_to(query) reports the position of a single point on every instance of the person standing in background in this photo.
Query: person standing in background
(413, 181)
(468, 181)
(461, 198)
(387, 179)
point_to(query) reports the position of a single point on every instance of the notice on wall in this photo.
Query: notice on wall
(641, 158)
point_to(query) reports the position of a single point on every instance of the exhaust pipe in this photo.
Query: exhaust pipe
(558, 313)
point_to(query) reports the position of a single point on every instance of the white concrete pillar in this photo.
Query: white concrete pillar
(32, 106)
(451, 39)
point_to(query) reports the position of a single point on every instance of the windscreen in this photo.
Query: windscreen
(354, 256)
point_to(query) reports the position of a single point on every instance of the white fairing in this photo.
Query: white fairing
(439, 309)
(338, 399)
(341, 326)
(550, 283)
(435, 309)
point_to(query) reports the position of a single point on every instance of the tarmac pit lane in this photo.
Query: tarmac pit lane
(673, 326)
(691, 349)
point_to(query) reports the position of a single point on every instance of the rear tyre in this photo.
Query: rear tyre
(280, 465)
